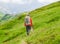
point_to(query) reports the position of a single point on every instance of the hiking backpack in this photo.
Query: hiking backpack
(27, 20)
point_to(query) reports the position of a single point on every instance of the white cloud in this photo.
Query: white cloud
(22, 1)
(47, 0)
(17, 1)
(5, 1)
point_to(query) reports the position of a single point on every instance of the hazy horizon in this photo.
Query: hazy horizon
(18, 6)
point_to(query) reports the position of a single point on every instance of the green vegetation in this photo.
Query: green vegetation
(1, 14)
(46, 22)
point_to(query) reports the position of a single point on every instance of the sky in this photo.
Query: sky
(19, 6)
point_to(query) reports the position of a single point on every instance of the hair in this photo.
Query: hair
(28, 14)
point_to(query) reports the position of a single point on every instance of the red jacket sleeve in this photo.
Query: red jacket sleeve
(30, 22)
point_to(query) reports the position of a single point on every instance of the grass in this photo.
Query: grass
(46, 24)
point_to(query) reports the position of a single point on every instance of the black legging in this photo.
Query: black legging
(28, 28)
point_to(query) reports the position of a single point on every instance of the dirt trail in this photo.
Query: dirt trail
(23, 41)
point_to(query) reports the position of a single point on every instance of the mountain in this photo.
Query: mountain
(46, 25)
(1, 14)
(5, 18)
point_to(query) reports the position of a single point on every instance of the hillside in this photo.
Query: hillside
(46, 22)
(6, 17)
(1, 15)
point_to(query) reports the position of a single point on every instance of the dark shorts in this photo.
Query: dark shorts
(28, 28)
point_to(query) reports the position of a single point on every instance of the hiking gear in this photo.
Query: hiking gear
(28, 21)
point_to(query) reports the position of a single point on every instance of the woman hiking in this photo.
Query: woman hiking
(28, 23)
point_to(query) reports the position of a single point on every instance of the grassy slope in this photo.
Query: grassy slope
(46, 27)
(1, 15)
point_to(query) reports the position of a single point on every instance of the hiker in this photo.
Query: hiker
(28, 23)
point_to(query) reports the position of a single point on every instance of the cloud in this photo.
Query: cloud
(5, 1)
(6, 10)
(47, 0)
(16, 6)
(17, 1)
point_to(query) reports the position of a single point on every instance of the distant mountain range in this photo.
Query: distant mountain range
(1, 14)
(4, 17)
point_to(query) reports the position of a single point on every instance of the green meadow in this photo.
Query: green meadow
(46, 25)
